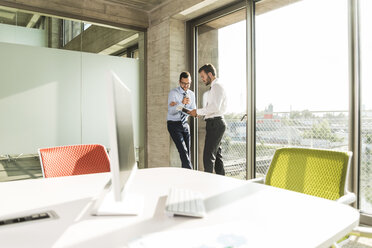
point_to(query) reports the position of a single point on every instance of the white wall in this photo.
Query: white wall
(51, 97)
(22, 35)
(96, 70)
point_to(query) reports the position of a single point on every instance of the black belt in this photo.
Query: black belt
(215, 118)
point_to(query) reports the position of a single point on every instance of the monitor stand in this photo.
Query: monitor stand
(130, 204)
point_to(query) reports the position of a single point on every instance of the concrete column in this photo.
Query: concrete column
(165, 60)
(158, 85)
(207, 53)
(177, 65)
(54, 26)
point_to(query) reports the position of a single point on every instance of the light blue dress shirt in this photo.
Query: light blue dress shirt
(176, 95)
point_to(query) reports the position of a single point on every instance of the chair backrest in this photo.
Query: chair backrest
(74, 160)
(315, 172)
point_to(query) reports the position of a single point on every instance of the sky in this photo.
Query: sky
(301, 57)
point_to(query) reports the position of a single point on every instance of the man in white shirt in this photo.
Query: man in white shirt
(213, 111)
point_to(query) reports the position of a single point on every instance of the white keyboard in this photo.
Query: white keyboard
(185, 202)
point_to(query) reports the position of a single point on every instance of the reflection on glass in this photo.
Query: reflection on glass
(301, 78)
(35, 29)
(22, 27)
(71, 29)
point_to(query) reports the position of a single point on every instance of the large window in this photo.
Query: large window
(222, 42)
(305, 78)
(301, 78)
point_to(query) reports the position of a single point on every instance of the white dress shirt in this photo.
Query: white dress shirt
(216, 101)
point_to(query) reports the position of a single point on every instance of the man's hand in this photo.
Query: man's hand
(172, 104)
(193, 113)
(186, 100)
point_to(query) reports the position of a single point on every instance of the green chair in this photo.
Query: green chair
(314, 172)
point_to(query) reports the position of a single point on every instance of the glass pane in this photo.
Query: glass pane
(222, 42)
(302, 78)
(8, 18)
(47, 100)
(365, 196)
(22, 27)
(72, 35)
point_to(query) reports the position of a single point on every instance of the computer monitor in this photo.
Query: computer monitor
(117, 199)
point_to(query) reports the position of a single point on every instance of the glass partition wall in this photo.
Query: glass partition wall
(302, 89)
(51, 84)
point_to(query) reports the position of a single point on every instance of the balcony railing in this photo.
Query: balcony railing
(323, 129)
(313, 129)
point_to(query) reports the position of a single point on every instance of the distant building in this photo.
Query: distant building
(268, 114)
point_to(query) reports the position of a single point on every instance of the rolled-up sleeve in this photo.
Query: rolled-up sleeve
(172, 98)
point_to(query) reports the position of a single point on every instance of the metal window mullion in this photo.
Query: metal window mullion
(354, 94)
(251, 82)
(355, 102)
(194, 138)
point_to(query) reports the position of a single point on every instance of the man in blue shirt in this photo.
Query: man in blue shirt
(181, 98)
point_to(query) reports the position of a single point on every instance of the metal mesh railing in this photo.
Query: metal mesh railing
(326, 129)
(234, 147)
(366, 163)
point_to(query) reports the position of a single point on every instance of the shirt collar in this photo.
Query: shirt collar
(215, 81)
(181, 90)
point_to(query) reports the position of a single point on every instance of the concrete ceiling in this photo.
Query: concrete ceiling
(130, 14)
(146, 5)
(156, 10)
(262, 7)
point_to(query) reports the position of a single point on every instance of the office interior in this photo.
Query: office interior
(295, 71)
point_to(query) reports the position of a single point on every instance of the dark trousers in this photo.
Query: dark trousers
(181, 136)
(212, 156)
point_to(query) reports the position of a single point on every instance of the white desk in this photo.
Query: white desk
(270, 214)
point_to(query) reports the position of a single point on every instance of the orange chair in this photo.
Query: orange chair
(73, 160)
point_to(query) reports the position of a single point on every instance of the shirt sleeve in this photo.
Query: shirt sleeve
(193, 104)
(172, 98)
(214, 101)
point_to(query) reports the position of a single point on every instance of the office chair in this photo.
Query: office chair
(320, 173)
(73, 160)
(314, 172)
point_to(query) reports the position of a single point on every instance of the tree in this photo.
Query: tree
(322, 130)
(295, 115)
(305, 114)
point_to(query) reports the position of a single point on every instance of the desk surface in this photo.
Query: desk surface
(273, 217)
